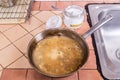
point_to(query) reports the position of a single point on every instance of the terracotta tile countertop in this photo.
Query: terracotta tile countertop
(14, 40)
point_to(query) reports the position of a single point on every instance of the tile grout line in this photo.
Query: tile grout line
(29, 32)
(19, 38)
(25, 35)
(25, 29)
(7, 38)
(25, 56)
(52, 78)
(1, 74)
(6, 46)
(37, 27)
(34, 14)
(78, 75)
(19, 49)
(13, 62)
(55, 13)
(22, 37)
(103, 1)
(16, 68)
(56, 3)
(8, 28)
(34, 28)
(1, 66)
(15, 41)
(38, 18)
(26, 74)
(39, 5)
(60, 16)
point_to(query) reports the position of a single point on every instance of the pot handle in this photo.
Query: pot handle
(97, 26)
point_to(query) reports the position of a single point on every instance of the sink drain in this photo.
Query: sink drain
(118, 53)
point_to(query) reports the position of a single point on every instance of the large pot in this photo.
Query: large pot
(68, 33)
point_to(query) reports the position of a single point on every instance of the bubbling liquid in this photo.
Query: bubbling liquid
(57, 55)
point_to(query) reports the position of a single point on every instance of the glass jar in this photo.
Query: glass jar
(73, 16)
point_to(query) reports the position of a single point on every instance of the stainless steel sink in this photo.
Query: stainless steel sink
(107, 38)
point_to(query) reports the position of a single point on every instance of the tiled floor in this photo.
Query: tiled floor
(89, 75)
(14, 40)
(19, 43)
(3, 41)
(21, 62)
(12, 74)
(15, 33)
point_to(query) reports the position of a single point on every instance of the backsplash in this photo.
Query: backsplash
(104, 1)
(46, 4)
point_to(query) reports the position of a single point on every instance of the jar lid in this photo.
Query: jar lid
(54, 22)
(74, 11)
